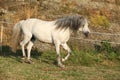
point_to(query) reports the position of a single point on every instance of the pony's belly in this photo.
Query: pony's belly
(43, 34)
(44, 38)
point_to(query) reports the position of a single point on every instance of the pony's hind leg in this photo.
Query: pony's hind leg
(66, 47)
(23, 43)
(23, 51)
(29, 47)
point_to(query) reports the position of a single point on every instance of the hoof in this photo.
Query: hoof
(23, 60)
(30, 61)
(61, 65)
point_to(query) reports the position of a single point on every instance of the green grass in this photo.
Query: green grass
(80, 66)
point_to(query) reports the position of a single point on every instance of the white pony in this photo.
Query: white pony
(56, 32)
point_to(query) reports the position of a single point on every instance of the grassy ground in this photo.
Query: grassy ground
(78, 67)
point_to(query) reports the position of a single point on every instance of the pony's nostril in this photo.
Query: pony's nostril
(86, 33)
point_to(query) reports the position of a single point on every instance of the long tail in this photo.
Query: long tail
(16, 36)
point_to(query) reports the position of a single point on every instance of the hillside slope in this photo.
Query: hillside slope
(103, 15)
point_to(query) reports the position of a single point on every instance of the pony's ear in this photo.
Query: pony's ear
(82, 18)
(85, 17)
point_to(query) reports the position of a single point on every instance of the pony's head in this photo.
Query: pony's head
(74, 23)
(84, 26)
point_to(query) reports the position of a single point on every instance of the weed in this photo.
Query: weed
(99, 20)
(106, 46)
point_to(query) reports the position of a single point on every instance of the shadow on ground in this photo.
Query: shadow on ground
(48, 58)
(6, 52)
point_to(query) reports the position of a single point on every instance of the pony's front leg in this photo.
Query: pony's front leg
(57, 46)
(29, 47)
(65, 46)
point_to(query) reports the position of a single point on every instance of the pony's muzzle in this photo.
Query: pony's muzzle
(86, 34)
